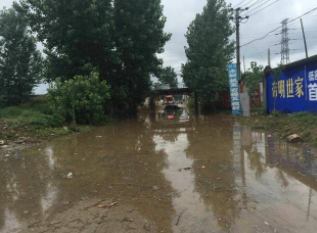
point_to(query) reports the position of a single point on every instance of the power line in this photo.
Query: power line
(266, 35)
(308, 12)
(257, 3)
(257, 6)
(247, 3)
(239, 3)
(264, 8)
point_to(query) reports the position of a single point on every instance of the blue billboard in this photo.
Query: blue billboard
(295, 90)
(234, 89)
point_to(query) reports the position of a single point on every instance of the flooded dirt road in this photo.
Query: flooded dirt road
(163, 172)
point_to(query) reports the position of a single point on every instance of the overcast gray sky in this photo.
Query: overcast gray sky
(180, 13)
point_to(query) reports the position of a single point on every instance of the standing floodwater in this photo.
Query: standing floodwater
(163, 172)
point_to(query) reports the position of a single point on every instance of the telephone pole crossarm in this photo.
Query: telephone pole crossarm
(238, 19)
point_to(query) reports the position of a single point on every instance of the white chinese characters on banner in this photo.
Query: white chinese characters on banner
(312, 89)
(234, 89)
(234, 83)
(312, 76)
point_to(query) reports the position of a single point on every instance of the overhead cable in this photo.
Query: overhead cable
(290, 21)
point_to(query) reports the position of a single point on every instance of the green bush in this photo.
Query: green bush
(81, 99)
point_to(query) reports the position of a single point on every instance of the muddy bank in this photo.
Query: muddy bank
(281, 126)
(14, 139)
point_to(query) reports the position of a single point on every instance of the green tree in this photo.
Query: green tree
(167, 75)
(253, 77)
(74, 33)
(209, 51)
(81, 99)
(120, 39)
(20, 61)
(139, 38)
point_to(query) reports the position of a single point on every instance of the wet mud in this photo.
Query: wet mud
(162, 172)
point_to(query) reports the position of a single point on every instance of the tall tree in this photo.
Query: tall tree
(75, 33)
(139, 29)
(20, 61)
(121, 39)
(208, 52)
(167, 75)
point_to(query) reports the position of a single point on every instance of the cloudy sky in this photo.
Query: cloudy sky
(180, 13)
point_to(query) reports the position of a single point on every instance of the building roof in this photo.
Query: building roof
(269, 69)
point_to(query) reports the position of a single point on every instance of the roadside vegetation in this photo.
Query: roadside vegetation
(98, 58)
(281, 125)
(33, 122)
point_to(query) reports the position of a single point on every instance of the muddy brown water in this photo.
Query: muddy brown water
(163, 172)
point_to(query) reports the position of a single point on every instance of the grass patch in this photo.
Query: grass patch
(36, 114)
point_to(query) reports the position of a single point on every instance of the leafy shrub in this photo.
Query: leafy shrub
(81, 99)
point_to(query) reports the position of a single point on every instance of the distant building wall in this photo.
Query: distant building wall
(295, 90)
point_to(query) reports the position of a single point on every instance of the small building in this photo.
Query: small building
(295, 90)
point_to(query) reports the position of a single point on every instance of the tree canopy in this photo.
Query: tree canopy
(20, 61)
(139, 28)
(209, 51)
(120, 38)
(253, 77)
(167, 75)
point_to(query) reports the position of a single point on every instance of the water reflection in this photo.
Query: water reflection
(239, 180)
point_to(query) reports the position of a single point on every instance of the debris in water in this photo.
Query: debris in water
(294, 138)
(179, 217)
(113, 204)
(2, 142)
(7, 155)
(16, 156)
(98, 136)
(184, 169)
(203, 167)
(70, 175)
(126, 219)
(155, 187)
(266, 223)
(19, 141)
(101, 206)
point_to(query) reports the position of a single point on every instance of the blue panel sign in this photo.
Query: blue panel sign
(295, 90)
(234, 89)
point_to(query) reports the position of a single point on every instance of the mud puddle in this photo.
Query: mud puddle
(163, 172)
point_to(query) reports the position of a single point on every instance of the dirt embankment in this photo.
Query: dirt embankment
(283, 126)
(14, 138)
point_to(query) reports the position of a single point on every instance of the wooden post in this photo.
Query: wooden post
(196, 103)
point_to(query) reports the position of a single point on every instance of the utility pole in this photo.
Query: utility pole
(284, 43)
(243, 64)
(269, 57)
(304, 37)
(238, 19)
